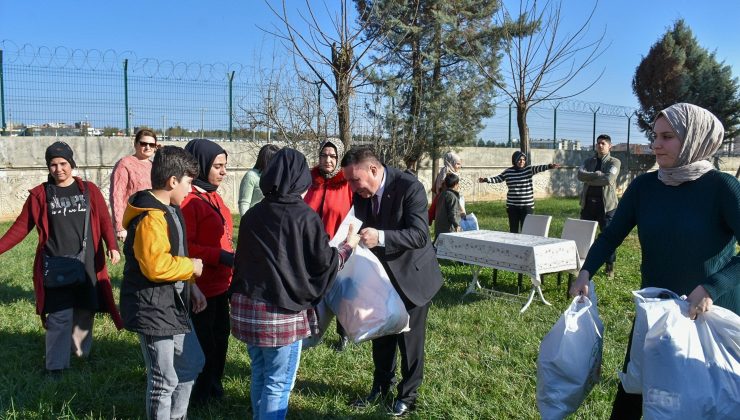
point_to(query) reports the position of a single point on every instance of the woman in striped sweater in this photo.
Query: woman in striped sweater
(518, 178)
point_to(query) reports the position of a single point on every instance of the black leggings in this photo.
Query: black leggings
(516, 217)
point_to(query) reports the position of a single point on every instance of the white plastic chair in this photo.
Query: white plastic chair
(583, 232)
(537, 225)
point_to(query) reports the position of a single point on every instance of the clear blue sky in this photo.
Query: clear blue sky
(227, 31)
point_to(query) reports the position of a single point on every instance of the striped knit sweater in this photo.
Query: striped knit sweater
(519, 182)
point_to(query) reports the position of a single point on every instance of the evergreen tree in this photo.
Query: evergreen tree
(678, 69)
(439, 96)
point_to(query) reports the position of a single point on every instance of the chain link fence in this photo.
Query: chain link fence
(63, 91)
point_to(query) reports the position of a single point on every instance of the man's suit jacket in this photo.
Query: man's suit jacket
(408, 256)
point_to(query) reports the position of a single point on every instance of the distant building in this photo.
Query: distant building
(561, 144)
(635, 149)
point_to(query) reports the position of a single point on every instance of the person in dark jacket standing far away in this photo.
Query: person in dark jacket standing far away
(599, 197)
(393, 206)
(159, 287)
(688, 221)
(282, 268)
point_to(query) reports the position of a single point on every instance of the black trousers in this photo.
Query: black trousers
(212, 326)
(594, 210)
(516, 217)
(627, 406)
(411, 346)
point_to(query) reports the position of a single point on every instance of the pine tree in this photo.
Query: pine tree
(678, 69)
(439, 96)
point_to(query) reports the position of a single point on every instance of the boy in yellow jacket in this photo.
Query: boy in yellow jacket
(158, 286)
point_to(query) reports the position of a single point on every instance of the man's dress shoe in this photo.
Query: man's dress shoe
(400, 409)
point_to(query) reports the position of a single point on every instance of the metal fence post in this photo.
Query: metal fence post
(125, 94)
(593, 138)
(231, 105)
(555, 128)
(629, 151)
(2, 91)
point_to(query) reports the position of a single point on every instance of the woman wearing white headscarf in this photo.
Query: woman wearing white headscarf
(688, 219)
(452, 164)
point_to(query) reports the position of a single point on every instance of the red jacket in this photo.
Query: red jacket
(330, 198)
(207, 234)
(35, 213)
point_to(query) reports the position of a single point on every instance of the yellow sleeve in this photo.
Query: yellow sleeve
(152, 251)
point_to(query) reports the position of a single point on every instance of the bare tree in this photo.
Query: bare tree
(341, 54)
(540, 61)
(284, 109)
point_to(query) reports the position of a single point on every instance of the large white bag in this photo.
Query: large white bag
(364, 300)
(651, 304)
(569, 361)
(692, 368)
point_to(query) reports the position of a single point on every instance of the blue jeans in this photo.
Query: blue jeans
(172, 364)
(273, 376)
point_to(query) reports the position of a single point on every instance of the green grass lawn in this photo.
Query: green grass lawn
(480, 352)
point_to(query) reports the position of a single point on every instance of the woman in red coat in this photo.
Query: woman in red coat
(59, 209)
(209, 230)
(330, 196)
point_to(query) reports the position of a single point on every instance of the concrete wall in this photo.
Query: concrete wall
(22, 166)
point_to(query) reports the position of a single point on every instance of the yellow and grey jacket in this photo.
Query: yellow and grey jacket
(154, 299)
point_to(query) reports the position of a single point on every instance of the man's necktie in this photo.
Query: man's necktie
(376, 205)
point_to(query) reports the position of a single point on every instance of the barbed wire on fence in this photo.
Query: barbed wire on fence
(93, 59)
(55, 84)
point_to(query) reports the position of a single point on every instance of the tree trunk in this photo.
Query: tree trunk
(343, 115)
(341, 60)
(521, 122)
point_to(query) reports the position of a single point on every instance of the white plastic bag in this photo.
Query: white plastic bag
(569, 361)
(364, 300)
(651, 303)
(470, 222)
(692, 368)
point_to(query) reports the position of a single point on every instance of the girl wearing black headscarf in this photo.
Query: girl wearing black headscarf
(518, 178)
(209, 232)
(283, 266)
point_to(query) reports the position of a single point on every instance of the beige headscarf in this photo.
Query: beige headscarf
(450, 159)
(700, 133)
(339, 147)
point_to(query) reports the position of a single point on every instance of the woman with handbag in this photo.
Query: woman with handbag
(70, 279)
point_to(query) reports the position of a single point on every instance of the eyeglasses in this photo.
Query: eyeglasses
(145, 144)
(327, 156)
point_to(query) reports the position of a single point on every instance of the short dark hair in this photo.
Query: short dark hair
(359, 154)
(451, 179)
(172, 161)
(605, 137)
(264, 156)
(145, 132)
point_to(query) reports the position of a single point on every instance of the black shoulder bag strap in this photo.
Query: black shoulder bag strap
(86, 195)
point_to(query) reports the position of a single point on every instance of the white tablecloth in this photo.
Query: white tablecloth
(527, 254)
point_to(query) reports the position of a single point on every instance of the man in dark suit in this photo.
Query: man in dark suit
(393, 206)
